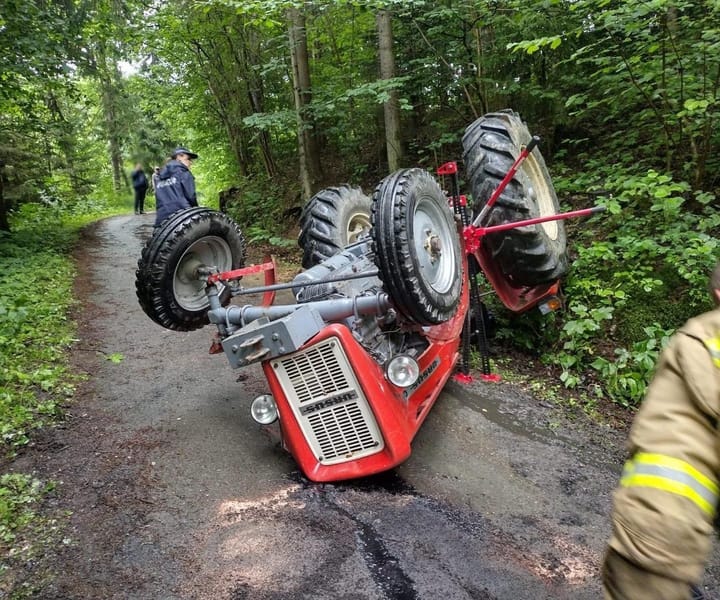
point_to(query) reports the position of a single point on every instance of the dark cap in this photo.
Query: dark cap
(182, 150)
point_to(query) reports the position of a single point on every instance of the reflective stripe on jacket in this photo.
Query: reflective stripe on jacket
(660, 472)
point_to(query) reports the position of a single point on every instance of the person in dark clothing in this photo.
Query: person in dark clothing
(140, 185)
(154, 178)
(175, 185)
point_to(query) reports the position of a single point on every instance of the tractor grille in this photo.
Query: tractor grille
(328, 403)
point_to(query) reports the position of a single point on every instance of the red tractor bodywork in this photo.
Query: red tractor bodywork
(340, 417)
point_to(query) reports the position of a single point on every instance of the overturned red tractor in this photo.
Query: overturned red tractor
(387, 305)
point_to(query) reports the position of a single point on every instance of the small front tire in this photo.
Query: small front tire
(168, 287)
(417, 248)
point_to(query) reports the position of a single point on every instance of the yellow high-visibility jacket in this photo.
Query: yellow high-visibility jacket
(665, 504)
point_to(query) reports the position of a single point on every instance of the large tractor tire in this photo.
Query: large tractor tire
(416, 245)
(168, 288)
(332, 219)
(530, 255)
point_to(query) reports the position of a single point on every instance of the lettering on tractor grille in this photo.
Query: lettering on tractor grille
(328, 403)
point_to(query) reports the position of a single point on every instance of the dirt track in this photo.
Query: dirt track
(176, 493)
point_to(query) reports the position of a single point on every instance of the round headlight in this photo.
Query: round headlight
(264, 410)
(402, 371)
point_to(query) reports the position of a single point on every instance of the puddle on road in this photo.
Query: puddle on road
(528, 424)
(490, 408)
(384, 568)
(388, 481)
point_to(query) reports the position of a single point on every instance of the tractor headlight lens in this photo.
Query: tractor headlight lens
(264, 410)
(403, 371)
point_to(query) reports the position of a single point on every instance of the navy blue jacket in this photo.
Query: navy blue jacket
(175, 190)
(139, 179)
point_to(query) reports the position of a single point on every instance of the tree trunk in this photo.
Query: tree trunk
(256, 96)
(308, 155)
(392, 106)
(245, 53)
(479, 73)
(109, 96)
(66, 137)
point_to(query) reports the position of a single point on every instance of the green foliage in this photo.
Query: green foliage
(255, 234)
(630, 289)
(19, 495)
(625, 377)
(650, 74)
(115, 357)
(259, 207)
(36, 275)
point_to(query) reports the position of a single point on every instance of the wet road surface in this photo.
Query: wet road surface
(177, 493)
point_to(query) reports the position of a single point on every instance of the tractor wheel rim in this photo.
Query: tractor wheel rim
(358, 224)
(188, 288)
(433, 242)
(542, 196)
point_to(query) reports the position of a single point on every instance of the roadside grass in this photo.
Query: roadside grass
(535, 379)
(36, 334)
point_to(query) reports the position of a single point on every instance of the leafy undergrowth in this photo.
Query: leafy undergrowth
(36, 275)
(25, 530)
(36, 333)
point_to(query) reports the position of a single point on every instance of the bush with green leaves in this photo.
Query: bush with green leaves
(260, 207)
(639, 271)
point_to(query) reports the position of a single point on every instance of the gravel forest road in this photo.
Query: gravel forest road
(176, 493)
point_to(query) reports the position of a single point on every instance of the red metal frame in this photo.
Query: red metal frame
(516, 298)
(268, 267)
(525, 152)
(398, 418)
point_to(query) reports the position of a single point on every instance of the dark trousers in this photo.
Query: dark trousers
(140, 199)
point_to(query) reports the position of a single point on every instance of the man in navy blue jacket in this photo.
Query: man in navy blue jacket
(140, 185)
(175, 188)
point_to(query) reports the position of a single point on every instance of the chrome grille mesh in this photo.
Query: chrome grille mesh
(328, 403)
(315, 373)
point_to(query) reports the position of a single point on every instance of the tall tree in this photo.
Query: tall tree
(38, 41)
(308, 154)
(391, 105)
(105, 69)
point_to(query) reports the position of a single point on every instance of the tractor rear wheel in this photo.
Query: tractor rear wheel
(417, 248)
(168, 288)
(332, 219)
(530, 255)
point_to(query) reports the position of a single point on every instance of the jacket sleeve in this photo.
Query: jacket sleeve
(187, 182)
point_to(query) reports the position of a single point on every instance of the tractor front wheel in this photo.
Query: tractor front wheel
(417, 248)
(167, 283)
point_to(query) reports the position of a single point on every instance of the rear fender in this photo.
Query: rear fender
(517, 299)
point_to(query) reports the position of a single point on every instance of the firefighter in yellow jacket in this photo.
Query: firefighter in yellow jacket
(665, 504)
